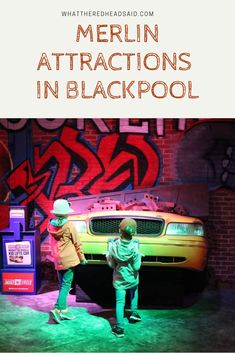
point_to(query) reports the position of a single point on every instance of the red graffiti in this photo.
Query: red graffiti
(120, 161)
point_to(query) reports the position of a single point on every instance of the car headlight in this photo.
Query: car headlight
(185, 229)
(80, 226)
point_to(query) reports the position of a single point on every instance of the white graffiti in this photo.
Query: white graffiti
(125, 125)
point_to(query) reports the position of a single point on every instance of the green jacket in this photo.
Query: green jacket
(125, 259)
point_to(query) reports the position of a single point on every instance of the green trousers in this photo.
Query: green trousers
(120, 303)
(65, 279)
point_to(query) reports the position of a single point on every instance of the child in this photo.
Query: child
(67, 252)
(124, 257)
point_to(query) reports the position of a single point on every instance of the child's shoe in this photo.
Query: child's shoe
(56, 315)
(135, 317)
(118, 331)
(66, 314)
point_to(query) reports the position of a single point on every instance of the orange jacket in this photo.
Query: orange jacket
(66, 246)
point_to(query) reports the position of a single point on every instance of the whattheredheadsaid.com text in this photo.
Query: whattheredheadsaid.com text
(101, 13)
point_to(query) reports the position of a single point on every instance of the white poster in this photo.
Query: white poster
(18, 253)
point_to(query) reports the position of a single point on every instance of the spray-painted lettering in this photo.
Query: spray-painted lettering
(69, 166)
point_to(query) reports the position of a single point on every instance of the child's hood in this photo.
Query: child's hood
(56, 227)
(123, 250)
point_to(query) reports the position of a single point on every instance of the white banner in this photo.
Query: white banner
(18, 253)
(117, 59)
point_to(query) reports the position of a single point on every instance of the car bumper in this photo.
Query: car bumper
(165, 252)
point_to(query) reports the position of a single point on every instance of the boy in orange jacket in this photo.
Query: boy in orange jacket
(67, 253)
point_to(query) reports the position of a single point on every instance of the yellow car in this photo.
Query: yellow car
(166, 239)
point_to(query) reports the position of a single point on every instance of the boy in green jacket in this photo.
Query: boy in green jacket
(125, 259)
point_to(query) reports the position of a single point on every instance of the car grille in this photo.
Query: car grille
(110, 226)
(164, 259)
(98, 257)
(145, 259)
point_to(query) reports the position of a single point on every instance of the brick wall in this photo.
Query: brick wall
(221, 233)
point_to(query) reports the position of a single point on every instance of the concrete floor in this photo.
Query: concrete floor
(204, 323)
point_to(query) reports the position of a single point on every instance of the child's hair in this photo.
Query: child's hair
(128, 228)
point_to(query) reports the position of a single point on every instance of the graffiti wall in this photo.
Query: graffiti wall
(70, 166)
(46, 159)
